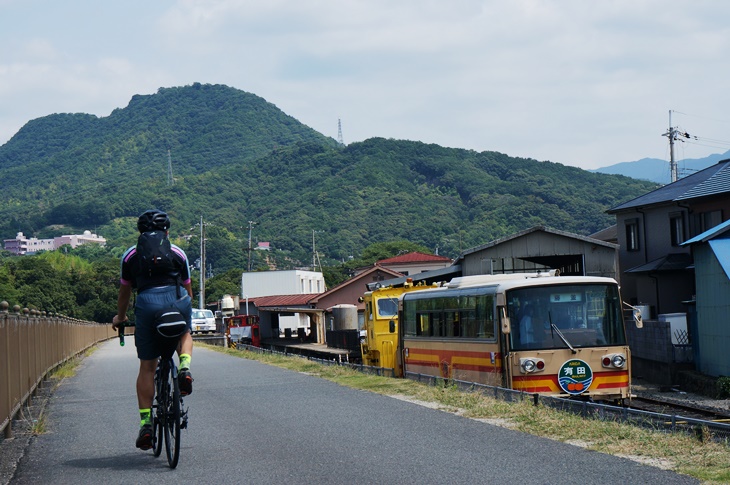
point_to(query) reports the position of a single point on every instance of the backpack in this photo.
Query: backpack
(154, 253)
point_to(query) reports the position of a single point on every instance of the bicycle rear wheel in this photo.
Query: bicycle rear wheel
(158, 411)
(171, 424)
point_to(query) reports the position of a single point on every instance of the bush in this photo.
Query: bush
(723, 387)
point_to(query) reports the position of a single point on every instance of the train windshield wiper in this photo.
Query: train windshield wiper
(554, 327)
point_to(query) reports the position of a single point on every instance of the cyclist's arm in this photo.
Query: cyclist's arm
(125, 293)
(189, 286)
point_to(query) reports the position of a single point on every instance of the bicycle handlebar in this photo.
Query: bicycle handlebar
(120, 330)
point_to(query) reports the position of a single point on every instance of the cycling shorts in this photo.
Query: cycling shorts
(150, 345)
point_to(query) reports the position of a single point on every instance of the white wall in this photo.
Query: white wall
(271, 283)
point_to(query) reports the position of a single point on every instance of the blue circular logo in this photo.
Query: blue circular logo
(575, 377)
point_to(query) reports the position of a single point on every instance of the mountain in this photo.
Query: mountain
(656, 170)
(230, 157)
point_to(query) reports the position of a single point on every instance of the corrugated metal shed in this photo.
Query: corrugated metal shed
(541, 248)
(721, 248)
(711, 251)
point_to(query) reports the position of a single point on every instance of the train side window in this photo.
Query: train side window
(423, 327)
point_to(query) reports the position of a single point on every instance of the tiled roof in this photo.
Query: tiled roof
(670, 262)
(356, 280)
(415, 257)
(710, 181)
(283, 300)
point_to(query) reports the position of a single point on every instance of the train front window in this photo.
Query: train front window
(387, 307)
(587, 315)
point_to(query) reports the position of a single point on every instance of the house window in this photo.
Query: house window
(632, 235)
(676, 228)
(708, 220)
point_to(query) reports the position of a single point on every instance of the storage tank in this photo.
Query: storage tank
(227, 305)
(344, 317)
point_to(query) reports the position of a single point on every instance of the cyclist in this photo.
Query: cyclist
(155, 292)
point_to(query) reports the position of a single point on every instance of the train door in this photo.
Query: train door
(505, 328)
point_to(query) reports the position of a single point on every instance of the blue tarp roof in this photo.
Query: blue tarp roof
(721, 248)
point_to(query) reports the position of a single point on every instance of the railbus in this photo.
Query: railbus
(539, 333)
(379, 345)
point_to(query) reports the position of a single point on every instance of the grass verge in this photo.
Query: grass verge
(689, 455)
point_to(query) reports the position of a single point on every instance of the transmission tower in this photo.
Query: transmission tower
(340, 140)
(170, 180)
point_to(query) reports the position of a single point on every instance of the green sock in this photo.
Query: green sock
(144, 416)
(185, 361)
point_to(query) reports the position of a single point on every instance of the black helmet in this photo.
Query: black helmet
(153, 219)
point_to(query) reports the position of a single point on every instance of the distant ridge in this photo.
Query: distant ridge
(656, 170)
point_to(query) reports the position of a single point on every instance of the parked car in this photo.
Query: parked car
(203, 321)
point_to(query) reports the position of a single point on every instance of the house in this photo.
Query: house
(350, 291)
(710, 314)
(412, 263)
(656, 270)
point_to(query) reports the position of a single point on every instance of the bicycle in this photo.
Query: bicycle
(168, 413)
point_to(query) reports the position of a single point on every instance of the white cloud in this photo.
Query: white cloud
(581, 83)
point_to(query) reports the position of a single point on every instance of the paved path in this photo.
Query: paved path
(253, 423)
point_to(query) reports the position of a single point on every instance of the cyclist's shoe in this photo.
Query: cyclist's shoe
(185, 381)
(144, 440)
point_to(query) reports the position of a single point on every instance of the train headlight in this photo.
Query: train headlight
(614, 360)
(618, 360)
(530, 365)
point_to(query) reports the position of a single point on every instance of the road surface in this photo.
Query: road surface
(254, 423)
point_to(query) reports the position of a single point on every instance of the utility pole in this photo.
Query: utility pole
(201, 296)
(314, 252)
(250, 227)
(202, 264)
(674, 134)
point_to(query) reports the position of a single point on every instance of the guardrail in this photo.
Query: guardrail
(32, 344)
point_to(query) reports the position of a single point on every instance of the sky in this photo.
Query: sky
(581, 83)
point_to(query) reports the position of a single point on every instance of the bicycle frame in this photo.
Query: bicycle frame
(167, 413)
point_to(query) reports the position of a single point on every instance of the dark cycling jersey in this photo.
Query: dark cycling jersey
(131, 276)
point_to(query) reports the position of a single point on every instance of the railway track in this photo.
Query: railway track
(686, 410)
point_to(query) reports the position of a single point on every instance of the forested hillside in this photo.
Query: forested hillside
(236, 158)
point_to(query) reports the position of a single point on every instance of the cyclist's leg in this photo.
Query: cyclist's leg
(145, 396)
(148, 352)
(185, 347)
(185, 378)
(146, 383)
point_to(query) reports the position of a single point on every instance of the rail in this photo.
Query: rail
(32, 344)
